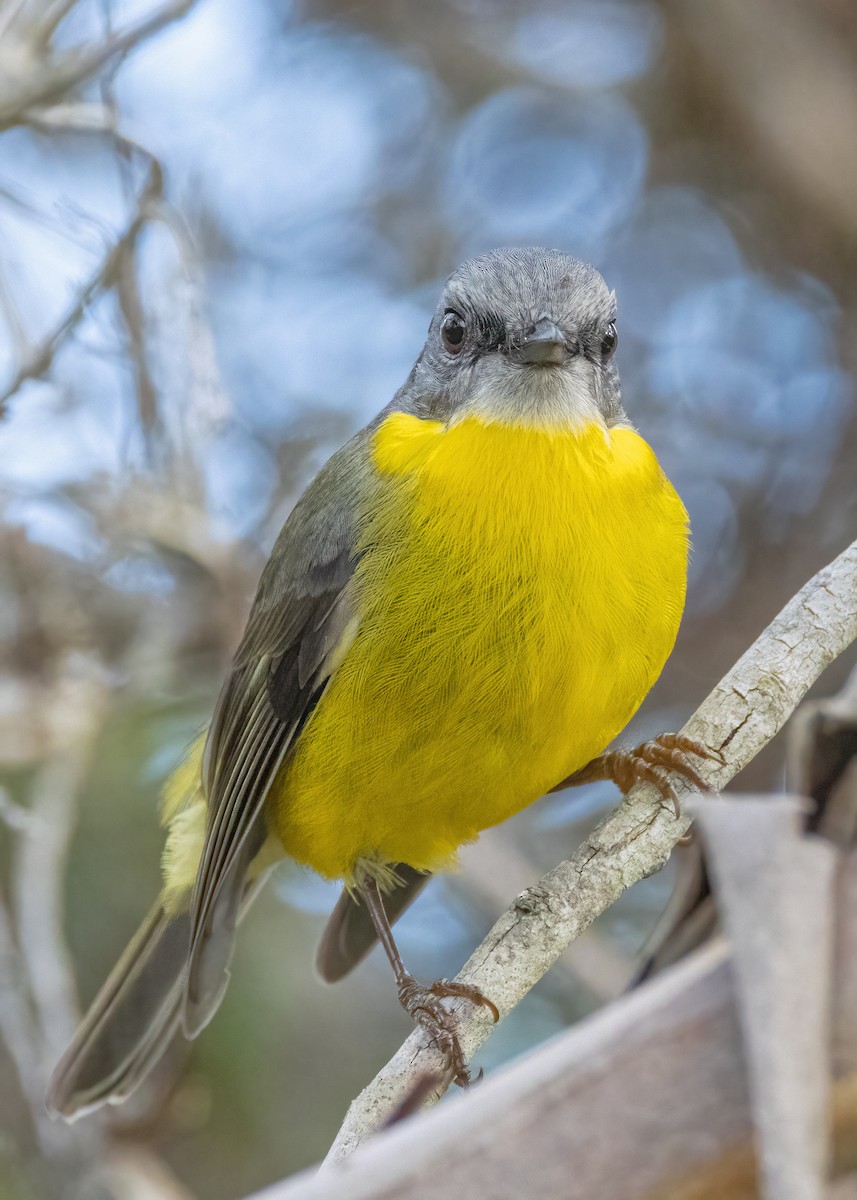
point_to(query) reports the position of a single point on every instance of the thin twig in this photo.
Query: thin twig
(133, 314)
(50, 19)
(17, 1025)
(10, 15)
(38, 1005)
(41, 356)
(208, 403)
(79, 66)
(14, 816)
(39, 880)
(12, 315)
(743, 713)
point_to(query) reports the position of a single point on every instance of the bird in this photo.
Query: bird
(461, 613)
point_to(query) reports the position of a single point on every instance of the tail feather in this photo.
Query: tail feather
(130, 1021)
(349, 934)
(209, 959)
(163, 982)
(138, 1010)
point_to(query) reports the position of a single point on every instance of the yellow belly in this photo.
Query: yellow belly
(518, 594)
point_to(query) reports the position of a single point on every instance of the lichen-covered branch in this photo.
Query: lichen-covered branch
(740, 716)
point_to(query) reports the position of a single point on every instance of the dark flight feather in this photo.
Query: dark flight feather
(349, 934)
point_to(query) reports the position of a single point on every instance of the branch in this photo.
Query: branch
(41, 356)
(39, 873)
(38, 1006)
(743, 713)
(78, 66)
(18, 1029)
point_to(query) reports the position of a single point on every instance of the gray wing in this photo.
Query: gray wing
(279, 674)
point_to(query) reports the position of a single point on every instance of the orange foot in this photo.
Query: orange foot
(653, 762)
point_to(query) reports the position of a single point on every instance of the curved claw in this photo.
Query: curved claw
(680, 741)
(665, 760)
(466, 991)
(654, 772)
(653, 761)
(424, 1005)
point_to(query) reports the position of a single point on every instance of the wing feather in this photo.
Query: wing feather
(301, 620)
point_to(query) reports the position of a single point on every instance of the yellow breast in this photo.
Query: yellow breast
(518, 593)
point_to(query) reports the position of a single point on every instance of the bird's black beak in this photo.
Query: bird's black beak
(545, 343)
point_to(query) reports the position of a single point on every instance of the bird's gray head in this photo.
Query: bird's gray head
(524, 336)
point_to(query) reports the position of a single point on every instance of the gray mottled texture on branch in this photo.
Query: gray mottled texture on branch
(740, 716)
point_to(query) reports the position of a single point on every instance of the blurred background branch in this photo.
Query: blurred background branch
(32, 77)
(116, 269)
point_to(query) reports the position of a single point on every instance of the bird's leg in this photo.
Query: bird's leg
(651, 761)
(423, 1002)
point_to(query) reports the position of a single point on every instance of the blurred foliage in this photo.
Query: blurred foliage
(221, 235)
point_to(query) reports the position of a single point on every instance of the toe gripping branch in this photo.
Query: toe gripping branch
(424, 1003)
(652, 762)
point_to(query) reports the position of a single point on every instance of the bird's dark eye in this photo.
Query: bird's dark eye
(609, 341)
(452, 331)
